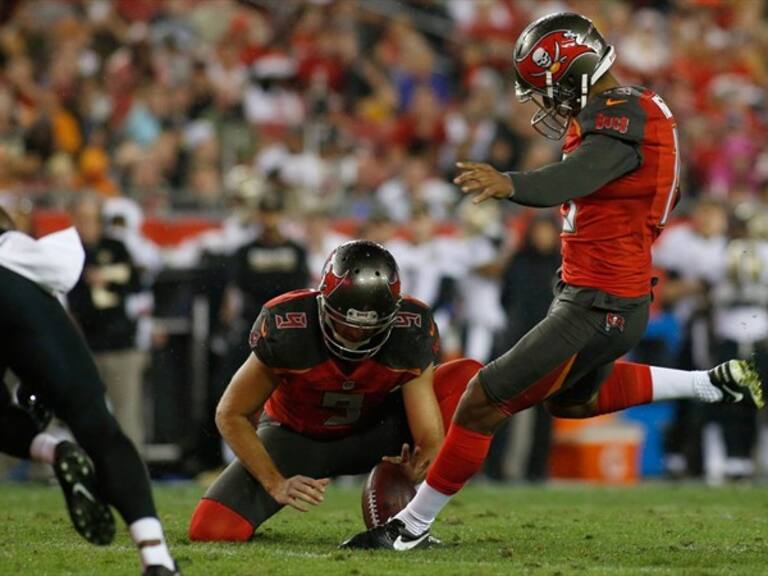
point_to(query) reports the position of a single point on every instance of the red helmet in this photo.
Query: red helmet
(359, 299)
(558, 58)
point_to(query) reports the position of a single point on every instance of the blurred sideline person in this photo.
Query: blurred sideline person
(339, 379)
(260, 270)
(379, 228)
(429, 265)
(99, 304)
(617, 185)
(43, 348)
(416, 186)
(739, 328)
(478, 285)
(320, 239)
(123, 221)
(692, 256)
(419, 257)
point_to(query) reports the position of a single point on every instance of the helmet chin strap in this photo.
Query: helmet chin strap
(605, 63)
(550, 86)
(587, 82)
(584, 90)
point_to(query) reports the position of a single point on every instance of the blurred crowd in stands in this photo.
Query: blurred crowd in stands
(290, 126)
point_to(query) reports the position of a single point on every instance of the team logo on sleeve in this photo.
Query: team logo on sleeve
(257, 333)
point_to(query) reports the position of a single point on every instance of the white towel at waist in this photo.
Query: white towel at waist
(53, 262)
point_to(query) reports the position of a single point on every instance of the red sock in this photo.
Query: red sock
(213, 522)
(627, 385)
(461, 457)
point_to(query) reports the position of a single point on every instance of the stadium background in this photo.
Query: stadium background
(191, 127)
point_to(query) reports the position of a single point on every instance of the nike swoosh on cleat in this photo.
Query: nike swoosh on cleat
(401, 545)
(612, 102)
(737, 396)
(79, 488)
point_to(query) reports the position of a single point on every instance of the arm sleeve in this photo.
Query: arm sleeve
(599, 160)
(415, 339)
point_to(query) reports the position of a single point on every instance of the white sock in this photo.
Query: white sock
(43, 448)
(669, 384)
(147, 533)
(421, 512)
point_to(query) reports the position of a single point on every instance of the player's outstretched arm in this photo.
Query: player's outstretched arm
(426, 424)
(599, 160)
(246, 395)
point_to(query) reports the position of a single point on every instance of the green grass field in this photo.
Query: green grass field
(652, 529)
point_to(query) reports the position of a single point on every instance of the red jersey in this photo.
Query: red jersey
(607, 235)
(321, 396)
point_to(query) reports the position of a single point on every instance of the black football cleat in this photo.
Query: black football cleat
(159, 570)
(390, 536)
(739, 381)
(90, 515)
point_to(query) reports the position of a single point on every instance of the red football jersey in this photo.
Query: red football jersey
(607, 235)
(315, 396)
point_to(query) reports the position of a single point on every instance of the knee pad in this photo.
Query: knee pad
(213, 522)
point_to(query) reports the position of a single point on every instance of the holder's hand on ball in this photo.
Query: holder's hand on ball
(413, 465)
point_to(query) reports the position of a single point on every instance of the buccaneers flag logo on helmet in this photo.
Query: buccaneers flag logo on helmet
(553, 54)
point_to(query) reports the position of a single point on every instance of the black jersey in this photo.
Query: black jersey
(264, 270)
(99, 308)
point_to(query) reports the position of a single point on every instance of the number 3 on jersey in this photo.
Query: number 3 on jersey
(349, 406)
(568, 211)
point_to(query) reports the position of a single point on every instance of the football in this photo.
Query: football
(387, 491)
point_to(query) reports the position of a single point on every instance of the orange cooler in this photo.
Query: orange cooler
(604, 450)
